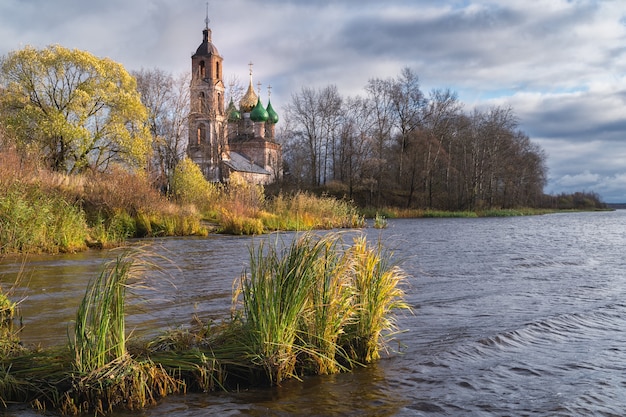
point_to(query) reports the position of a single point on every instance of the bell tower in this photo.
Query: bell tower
(207, 123)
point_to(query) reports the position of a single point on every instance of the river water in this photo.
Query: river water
(520, 316)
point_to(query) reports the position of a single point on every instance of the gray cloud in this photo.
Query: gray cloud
(561, 65)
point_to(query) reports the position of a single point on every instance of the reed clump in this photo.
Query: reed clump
(34, 220)
(315, 307)
(377, 291)
(380, 221)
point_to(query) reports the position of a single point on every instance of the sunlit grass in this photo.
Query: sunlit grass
(33, 220)
(303, 211)
(377, 291)
(400, 213)
(315, 306)
(274, 296)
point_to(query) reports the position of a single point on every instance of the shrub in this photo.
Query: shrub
(190, 187)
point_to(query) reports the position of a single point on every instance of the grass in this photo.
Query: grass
(317, 307)
(304, 211)
(314, 306)
(380, 221)
(99, 331)
(45, 211)
(377, 289)
(274, 296)
(398, 213)
(34, 220)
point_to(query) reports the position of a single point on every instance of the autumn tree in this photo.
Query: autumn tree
(78, 110)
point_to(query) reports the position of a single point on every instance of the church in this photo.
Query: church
(224, 140)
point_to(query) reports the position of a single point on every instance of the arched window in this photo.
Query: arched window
(217, 70)
(202, 102)
(202, 70)
(201, 134)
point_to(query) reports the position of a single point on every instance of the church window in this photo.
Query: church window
(217, 70)
(202, 70)
(201, 134)
(202, 102)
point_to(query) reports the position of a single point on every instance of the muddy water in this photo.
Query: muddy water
(513, 316)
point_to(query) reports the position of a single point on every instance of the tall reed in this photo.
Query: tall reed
(317, 307)
(275, 293)
(100, 332)
(329, 309)
(377, 292)
(107, 376)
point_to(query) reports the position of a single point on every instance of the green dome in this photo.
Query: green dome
(258, 113)
(273, 116)
(232, 112)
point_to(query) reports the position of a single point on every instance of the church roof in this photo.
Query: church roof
(206, 48)
(233, 114)
(240, 163)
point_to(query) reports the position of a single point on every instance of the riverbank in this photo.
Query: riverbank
(47, 212)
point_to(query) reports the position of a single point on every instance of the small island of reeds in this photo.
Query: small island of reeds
(317, 305)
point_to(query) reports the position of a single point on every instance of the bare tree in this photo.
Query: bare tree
(331, 114)
(396, 143)
(167, 100)
(384, 119)
(408, 103)
(314, 118)
(354, 144)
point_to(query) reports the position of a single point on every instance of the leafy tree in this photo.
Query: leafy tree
(80, 111)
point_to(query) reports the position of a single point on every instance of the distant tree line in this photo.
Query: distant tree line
(399, 146)
(393, 146)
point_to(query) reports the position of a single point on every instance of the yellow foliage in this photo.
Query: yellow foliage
(82, 111)
(190, 187)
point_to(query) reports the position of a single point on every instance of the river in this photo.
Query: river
(518, 316)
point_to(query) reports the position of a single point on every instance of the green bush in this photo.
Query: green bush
(190, 187)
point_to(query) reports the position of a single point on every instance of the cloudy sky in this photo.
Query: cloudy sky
(560, 64)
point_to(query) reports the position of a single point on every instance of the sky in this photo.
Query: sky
(559, 64)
